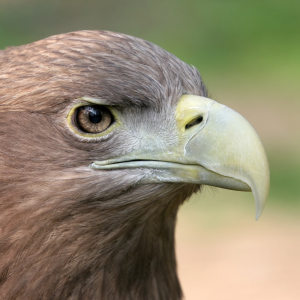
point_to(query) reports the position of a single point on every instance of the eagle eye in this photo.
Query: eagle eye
(93, 118)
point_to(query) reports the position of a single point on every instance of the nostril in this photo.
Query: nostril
(194, 122)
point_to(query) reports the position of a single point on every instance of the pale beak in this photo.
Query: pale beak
(226, 144)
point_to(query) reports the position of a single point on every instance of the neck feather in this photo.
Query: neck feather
(121, 248)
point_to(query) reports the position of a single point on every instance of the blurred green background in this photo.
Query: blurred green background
(248, 53)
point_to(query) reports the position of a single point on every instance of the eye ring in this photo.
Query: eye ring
(93, 119)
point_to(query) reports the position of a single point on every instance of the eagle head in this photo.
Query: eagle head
(102, 137)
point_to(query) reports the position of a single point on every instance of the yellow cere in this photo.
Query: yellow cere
(189, 108)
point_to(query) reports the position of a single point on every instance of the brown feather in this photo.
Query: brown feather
(68, 232)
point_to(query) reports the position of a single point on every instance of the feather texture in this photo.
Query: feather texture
(68, 232)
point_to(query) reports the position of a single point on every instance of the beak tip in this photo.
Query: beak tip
(258, 214)
(260, 204)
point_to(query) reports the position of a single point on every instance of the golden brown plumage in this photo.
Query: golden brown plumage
(68, 232)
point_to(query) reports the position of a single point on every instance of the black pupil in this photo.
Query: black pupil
(95, 115)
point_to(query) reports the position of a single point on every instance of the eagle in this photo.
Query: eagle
(102, 137)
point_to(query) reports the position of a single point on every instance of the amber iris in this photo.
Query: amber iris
(93, 119)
